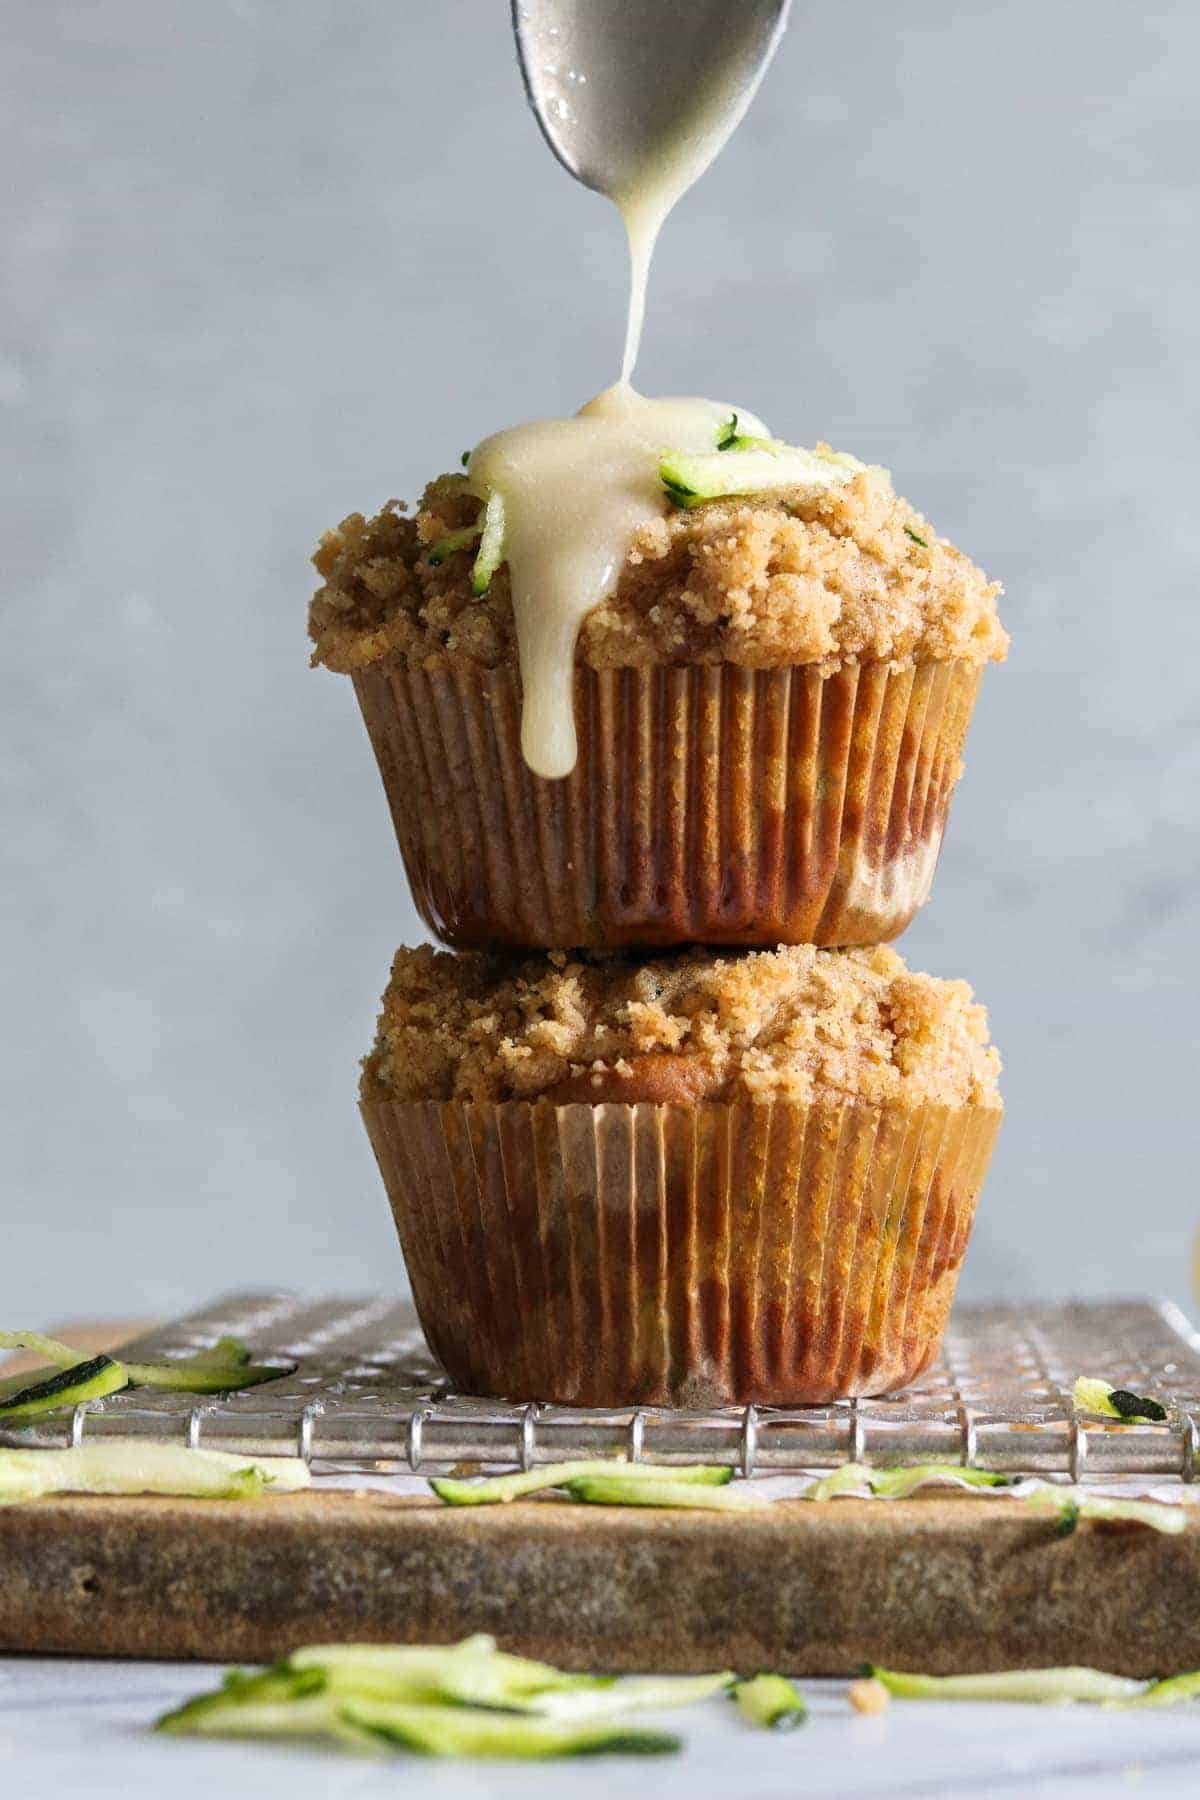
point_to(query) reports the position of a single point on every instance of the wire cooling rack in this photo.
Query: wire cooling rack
(367, 1395)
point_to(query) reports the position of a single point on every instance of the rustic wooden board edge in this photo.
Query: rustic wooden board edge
(942, 1584)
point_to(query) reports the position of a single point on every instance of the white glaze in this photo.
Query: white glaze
(660, 183)
(575, 491)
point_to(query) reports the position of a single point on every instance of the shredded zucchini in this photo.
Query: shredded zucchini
(466, 1699)
(499, 1489)
(464, 1731)
(90, 1380)
(1067, 1504)
(374, 1726)
(446, 546)
(621, 1490)
(491, 546)
(225, 1367)
(240, 1691)
(1073, 1504)
(730, 438)
(1170, 1692)
(754, 465)
(770, 1701)
(472, 1673)
(749, 466)
(197, 1375)
(635, 1693)
(475, 1673)
(302, 1712)
(897, 1484)
(54, 1351)
(1044, 1686)
(1092, 1396)
(126, 1467)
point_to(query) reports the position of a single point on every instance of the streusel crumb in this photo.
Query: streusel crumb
(851, 574)
(795, 1023)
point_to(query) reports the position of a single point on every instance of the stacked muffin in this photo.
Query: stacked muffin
(625, 1168)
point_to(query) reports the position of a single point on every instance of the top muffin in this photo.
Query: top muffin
(847, 574)
(769, 709)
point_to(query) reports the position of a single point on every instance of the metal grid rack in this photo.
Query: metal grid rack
(367, 1395)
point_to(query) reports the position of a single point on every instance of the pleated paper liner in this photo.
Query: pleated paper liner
(716, 805)
(720, 1254)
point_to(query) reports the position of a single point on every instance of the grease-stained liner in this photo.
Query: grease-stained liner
(727, 1253)
(709, 804)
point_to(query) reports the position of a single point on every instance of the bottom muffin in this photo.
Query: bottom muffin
(699, 1180)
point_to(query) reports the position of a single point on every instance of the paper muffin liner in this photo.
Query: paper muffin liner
(614, 1255)
(717, 805)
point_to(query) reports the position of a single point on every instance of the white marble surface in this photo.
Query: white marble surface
(71, 1729)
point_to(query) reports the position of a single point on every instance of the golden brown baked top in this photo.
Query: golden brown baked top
(796, 1023)
(851, 573)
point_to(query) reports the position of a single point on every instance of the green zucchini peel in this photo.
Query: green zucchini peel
(472, 1673)
(500, 1489)
(753, 465)
(747, 466)
(1092, 1396)
(223, 1368)
(466, 1699)
(771, 1702)
(634, 1693)
(60, 1354)
(188, 1375)
(128, 1466)
(446, 546)
(466, 1731)
(730, 438)
(92, 1379)
(1044, 1687)
(475, 1673)
(622, 1490)
(1067, 1505)
(1073, 1504)
(899, 1483)
(1170, 1692)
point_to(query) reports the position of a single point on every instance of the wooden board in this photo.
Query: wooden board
(942, 1584)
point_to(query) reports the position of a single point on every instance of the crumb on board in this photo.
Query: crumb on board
(869, 1696)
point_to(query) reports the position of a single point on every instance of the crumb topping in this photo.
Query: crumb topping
(796, 1023)
(850, 574)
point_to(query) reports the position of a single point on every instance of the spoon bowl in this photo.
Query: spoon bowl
(620, 86)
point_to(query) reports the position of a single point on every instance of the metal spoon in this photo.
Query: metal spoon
(617, 85)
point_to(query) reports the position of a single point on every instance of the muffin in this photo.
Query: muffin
(770, 710)
(696, 1180)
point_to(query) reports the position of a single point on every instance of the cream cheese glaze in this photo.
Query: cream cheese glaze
(677, 164)
(575, 490)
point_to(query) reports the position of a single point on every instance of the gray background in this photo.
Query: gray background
(266, 263)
